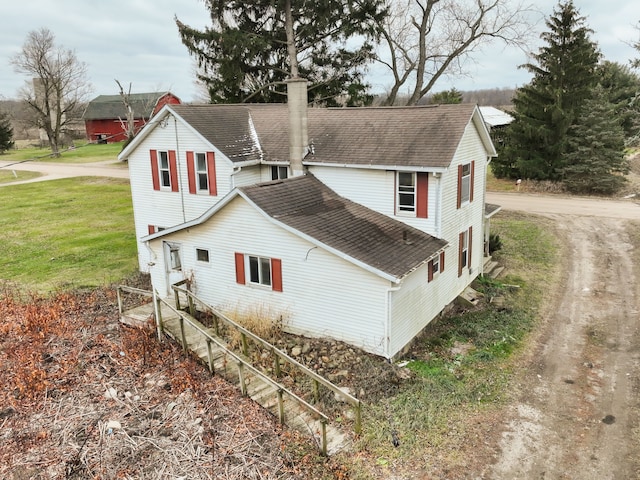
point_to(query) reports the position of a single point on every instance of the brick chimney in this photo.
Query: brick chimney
(298, 136)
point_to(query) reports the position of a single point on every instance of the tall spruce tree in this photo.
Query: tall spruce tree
(595, 161)
(6, 133)
(622, 87)
(563, 76)
(243, 56)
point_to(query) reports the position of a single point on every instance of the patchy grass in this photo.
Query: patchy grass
(71, 232)
(82, 153)
(9, 176)
(462, 366)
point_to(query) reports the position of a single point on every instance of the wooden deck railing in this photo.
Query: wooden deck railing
(277, 354)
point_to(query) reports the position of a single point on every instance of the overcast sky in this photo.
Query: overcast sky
(136, 41)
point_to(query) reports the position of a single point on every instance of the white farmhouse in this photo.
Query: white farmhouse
(358, 224)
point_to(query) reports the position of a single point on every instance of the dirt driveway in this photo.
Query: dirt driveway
(578, 413)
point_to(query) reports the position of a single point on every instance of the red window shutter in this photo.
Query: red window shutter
(191, 172)
(211, 170)
(469, 247)
(173, 171)
(442, 261)
(152, 229)
(155, 175)
(460, 250)
(473, 174)
(240, 278)
(276, 274)
(430, 271)
(459, 185)
(422, 185)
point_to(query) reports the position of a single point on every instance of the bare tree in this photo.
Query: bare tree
(426, 39)
(58, 84)
(129, 123)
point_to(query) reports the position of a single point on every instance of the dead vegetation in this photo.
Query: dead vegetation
(82, 396)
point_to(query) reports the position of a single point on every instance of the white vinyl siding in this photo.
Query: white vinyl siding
(166, 208)
(415, 304)
(323, 295)
(377, 190)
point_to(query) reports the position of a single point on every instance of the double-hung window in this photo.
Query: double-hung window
(465, 183)
(202, 175)
(412, 194)
(406, 192)
(164, 169)
(464, 250)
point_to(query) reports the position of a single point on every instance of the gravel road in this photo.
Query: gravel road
(578, 416)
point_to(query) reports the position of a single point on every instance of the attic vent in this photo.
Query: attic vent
(405, 238)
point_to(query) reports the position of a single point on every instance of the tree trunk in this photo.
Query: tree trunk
(291, 41)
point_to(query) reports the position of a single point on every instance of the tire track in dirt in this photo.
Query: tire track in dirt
(579, 407)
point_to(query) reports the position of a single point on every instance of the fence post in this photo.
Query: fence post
(243, 385)
(276, 361)
(215, 324)
(182, 334)
(280, 406)
(176, 296)
(192, 307)
(323, 422)
(245, 345)
(358, 426)
(120, 304)
(158, 314)
(316, 390)
(210, 356)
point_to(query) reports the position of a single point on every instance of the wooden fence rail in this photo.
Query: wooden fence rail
(279, 355)
(243, 364)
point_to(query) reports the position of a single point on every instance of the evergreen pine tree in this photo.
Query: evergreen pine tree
(622, 87)
(595, 161)
(6, 133)
(563, 77)
(243, 56)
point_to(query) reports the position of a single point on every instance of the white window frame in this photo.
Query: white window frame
(200, 173)
(164, 173)
(205, 250)
(406, 191)
(279, 172)
(465, 186)
(255, 271)
(465, 249)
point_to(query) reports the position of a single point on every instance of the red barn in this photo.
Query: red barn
(105, 117)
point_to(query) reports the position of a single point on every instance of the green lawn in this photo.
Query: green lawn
(9, 176)
(82, 153)
(67, 233)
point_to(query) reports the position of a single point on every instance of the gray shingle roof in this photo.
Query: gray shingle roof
(227, 127)
(105, 107)
(310, 207)
(421, 136)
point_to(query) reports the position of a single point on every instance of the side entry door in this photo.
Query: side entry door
(173, 264)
